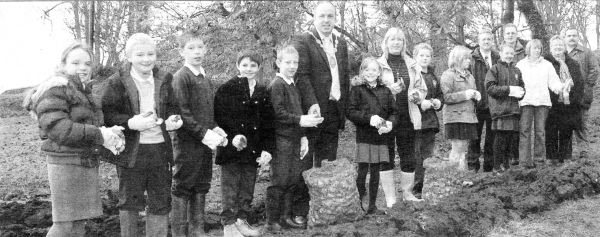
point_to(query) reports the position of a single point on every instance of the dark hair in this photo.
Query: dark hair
(254, 57)
(189, 36)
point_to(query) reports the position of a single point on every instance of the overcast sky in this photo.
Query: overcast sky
(30, 47)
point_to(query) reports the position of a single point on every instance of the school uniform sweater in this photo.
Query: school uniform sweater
(286, 101)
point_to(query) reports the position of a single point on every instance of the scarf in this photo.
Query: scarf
(565, 76)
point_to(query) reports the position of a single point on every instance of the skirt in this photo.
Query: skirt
(74, 192)
(510, 123)
(461, 131)
(367, 153)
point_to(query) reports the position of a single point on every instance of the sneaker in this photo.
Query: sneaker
(245, 229)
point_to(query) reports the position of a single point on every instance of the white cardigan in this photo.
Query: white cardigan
(538, 76)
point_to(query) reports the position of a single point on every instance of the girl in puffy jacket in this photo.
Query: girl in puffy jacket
(373, 111)
(69, 123)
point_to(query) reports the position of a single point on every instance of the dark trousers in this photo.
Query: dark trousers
(286, 173)
(558, 141)
(192, 172)
(474, 151)
(361, 179)
(506, 145)
(405, 146)
(323, 140)
(424, 145)
(151, 173)
(237, 191)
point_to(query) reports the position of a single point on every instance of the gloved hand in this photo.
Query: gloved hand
(239, 142)
(212, 139)
(516, 92)
(311, 120)
(470, 94)
(315, 109)
(112, 141)
(220, 131)
(385, 129)
(375, 120)
(264, 158)
(303, 147)
(477, 96)
(413, 97)
(174, 122)
(426, 104)
(437, 104)
(142, 122)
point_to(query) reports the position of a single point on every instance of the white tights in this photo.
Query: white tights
(458, 153)
(67, 229)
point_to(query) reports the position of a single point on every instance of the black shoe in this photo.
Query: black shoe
(374, 211)
(300, 220)
(273, 208)
(528, 166)
(286, 218)
(273, 227)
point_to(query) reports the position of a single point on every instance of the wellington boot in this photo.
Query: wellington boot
(273, 207)
(389, 187)
(286, 218)
(407, 183)
(128, 222)
(246, 229)
(231, 231)
(196, 215)
(157, 225)
(178, 216)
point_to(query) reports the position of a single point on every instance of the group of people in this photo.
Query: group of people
(161, 129)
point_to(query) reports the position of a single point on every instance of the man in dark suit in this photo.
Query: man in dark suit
(324, 81)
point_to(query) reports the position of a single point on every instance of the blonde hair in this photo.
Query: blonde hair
(138, 39)
(286, 50)
(456, 56)
(421, 46)
(365, 63)
(73, 46)
(393, 31)
(534, 43)
(556, 37)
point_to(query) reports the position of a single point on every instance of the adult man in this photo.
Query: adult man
(483, 59)
(510, 37)
(589, 71)
(324, 81)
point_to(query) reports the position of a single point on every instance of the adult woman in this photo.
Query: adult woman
(564, 115)
(398, 71)
(68, 121)
(538, 76)
(243, 109)
(460, 96)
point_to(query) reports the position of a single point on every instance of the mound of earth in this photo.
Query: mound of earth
(492, 200)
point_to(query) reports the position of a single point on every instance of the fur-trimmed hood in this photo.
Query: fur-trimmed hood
(32, 96)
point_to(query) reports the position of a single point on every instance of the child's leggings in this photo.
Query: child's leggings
(505, 144)
(373, 169)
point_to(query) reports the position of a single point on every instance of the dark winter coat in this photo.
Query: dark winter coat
(497, 82)
(314, 74)
(363, 104)
(120, 102)
(567, 115)
(238, 113)
(429, 119)
(589, 72)
(479, 70)
(68, 118)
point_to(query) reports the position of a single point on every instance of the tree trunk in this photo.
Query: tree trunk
(535, 22)
(598, 24)
(77, 26)
(509, 12)
(342, 15)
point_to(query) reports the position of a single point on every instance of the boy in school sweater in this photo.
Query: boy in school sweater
(291, 142)
(194, 142)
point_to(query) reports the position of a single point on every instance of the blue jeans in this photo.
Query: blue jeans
(532, 117)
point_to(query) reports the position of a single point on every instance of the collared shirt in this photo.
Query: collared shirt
(330, 50)
(288, 81)
(487, 57)
(194, 70)
(146, 92)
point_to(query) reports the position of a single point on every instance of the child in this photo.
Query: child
(243, 109)
(195, 141)
(504, 85)
(460, 96)
(139, 97)
(291, 142)
(430, 124)
(373, 111)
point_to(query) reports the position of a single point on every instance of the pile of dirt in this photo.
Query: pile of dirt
(493, 199)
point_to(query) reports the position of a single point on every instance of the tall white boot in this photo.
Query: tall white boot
(389, 187)
(407, 183)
